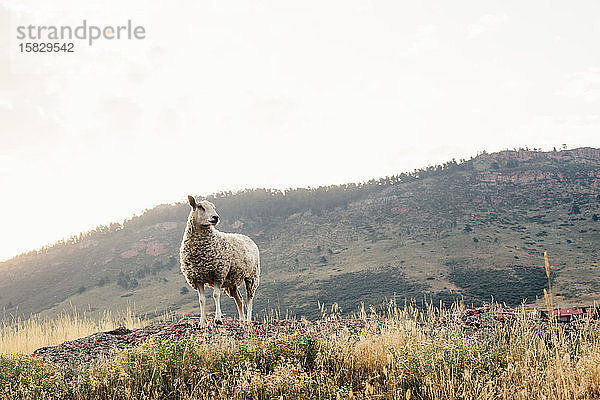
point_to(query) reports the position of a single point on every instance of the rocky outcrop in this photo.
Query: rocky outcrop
(104, 345)
(527, 155)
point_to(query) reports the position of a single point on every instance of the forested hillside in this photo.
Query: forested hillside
(471, 229)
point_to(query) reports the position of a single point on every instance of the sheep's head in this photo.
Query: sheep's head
(203, 212)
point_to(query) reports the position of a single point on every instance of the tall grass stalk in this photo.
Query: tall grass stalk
(548, 294)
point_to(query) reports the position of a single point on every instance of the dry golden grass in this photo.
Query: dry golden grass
(519, 361)
(418, 354)
(23, 336)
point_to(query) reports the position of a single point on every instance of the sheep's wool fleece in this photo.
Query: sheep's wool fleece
(209, 256)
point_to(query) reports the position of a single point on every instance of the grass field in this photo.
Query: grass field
(417, 355)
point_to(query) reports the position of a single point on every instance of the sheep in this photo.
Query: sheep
(221, 260)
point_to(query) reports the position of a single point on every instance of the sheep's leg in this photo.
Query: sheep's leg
(202, 301)
(238, 302)
(249, 309)
(217, 297)
(251, 285)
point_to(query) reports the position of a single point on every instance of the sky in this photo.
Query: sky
(243, 94)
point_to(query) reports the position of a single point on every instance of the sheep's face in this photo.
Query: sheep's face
(203, 212)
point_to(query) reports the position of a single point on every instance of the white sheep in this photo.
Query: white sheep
(221, 260)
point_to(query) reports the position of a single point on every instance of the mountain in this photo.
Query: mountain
(473, 229)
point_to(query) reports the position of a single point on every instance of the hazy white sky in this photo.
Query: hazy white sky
(229, 95)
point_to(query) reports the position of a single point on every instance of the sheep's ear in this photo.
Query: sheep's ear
(192, 201)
